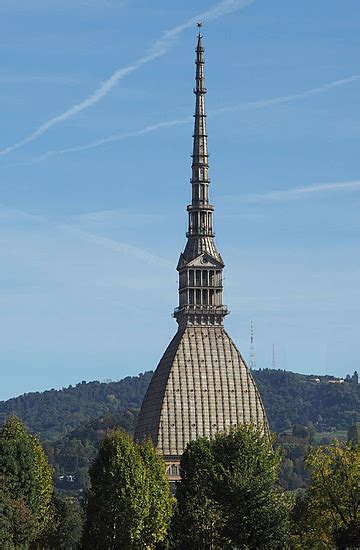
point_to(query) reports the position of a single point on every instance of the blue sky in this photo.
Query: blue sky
(96, 103)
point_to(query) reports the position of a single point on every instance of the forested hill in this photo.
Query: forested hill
(327, 402)
(55, 413)
(289, 399)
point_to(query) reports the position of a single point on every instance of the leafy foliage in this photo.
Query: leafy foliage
(25, 486)
(73, 421)
(293, 450)
(66, 530)
(159, 505)
(354, 434)
(129, 502)
(227, 496)
(329, 514)
(291, 398)
(73, 454)
(55, 413)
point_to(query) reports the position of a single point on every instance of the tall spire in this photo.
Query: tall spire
(200, 290)
(200, 166)
(200, 211)
(201, 385)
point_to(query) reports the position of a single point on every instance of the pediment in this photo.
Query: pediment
(205, 260)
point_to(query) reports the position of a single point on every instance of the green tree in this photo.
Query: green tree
(300, 431)
(6, 517)
(197, 519)
(124, 508)
(329, 514)
(159, 501)
(25, 486)
(227, 496)
(67, 528)
(353, 434)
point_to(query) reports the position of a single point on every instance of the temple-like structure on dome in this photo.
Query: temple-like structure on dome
(202, 384)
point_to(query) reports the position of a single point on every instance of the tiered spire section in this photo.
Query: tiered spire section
(200, 166)
(200, 265)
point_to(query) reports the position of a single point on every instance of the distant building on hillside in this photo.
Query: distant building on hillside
(202, 384)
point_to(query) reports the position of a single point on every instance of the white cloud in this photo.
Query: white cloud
(116, 137)
(159, 49)
(245, 107)
(299, 192)
(116, 246)
(261, 104)
(13, 215)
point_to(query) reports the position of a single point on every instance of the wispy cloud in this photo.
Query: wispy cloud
(111, 244)
(299, 192)
(260, 104)
(116, 137)
(13, 215)
(245, 107)
(159, 49)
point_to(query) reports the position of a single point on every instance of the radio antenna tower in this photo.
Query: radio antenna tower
(273, 357)
(252, 363)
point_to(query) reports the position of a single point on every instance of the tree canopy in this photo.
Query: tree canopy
(25, 486)
(227, 496)
(328, 516)
(129, 503)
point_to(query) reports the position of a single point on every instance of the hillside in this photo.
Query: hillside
(54, 413)
(323, 401)
(289, 399)
(72, 421)
(72, 455)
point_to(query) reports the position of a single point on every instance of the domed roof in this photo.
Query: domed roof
(201, 386)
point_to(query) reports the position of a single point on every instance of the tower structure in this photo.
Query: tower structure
(252, 362)
(202, 384)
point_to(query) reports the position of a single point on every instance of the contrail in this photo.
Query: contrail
(248, 106)
(117, 246)
(288, 98)
(299, 192)
(116, 137)
(159, 49)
